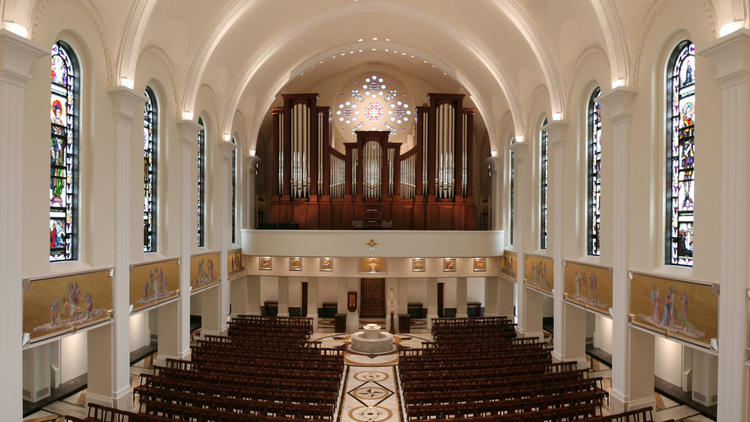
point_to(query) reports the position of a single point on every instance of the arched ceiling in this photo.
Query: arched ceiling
(498, 51)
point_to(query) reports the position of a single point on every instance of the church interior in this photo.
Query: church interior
(375, 211)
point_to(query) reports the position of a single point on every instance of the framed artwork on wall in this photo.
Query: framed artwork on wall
(449, 265)
(417, 265)
(371, 265)
(326, 264)
(264, 263)
(480, 265)
(295, 263)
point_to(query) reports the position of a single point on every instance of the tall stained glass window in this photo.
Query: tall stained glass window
(150, 134)
(543, 161)
(201, 183)
(63, 148)
(512, 193)
(594, 179)
(234, 191)
(680, 189)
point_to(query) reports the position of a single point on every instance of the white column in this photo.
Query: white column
(189, 136)
(250, 213)
(312, 301)
(527, 306)
(253, 295)
(628, 392)
(432, 310)
(16, 57)
(391, 303)
(491, 296)
(127, 105)
(496, 192)
(505, 297)
(225, 211)
(283, 299)
(731, 58)
(403, 295)
(461, 287)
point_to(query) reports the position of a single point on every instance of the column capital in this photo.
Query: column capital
(17, 54)
(251, 160)
(226, 148)
(496, 162)
(188, 132)
(519, 148)
(127, 103)
(730, 55)
(618, 103)
(557, 131)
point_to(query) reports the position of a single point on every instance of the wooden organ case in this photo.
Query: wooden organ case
(373, 184)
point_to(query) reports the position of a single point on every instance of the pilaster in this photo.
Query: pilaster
(188, 131)
(627, 392)
(250, 213)
(731, 58)
(519, 237)
(225, 210)
(17, 54)
(556, 136)
(127, 106)
(496, 189)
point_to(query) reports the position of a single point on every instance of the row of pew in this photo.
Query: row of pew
(477, 370)
(265, 369)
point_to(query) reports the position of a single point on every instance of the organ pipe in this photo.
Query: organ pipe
(445, 153)
(281, 155)
(425, 131)
(354, 171)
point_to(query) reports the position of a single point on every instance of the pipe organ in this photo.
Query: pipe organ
(373, 183)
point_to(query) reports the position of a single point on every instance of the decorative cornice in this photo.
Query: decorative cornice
(557, 132)
(127, 103)
(730, 55)
(618, 103)
(17, 54)
(188, 131)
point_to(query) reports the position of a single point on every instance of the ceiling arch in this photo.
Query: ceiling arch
(432, 21)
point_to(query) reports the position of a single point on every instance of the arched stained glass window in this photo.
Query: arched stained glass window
(150, 150)
(680, 189)
(63, 186)
(512, 194)
(234, 191)
(543, 161)
(201, 183)
(594, 180)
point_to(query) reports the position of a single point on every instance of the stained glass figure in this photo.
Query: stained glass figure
(63, 187)
(543, 161)
(680, 189)
(594, 181)
(201, 183)
(150, 125)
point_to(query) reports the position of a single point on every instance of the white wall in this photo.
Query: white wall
(668, 360)
(603, 333)
(328, 290)
(73, 356)
(417, 288)
(475, 290)
(140, 332)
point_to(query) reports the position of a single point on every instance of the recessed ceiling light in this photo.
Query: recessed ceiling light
(388, 39)
(359, 40)
(386, 50)
(360, 50)
(374, 38)
(374, 49)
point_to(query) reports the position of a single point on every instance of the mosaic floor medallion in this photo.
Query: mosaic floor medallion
(376, 376)
(370, 414)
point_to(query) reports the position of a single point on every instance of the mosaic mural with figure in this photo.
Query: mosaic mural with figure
(509, 264)
(204, 270)
(682, 309)
(153, 283)
(589, 285)
(60, 304)
(235, 262)
(539, 272)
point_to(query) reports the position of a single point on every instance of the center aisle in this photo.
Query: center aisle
(371, 392)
